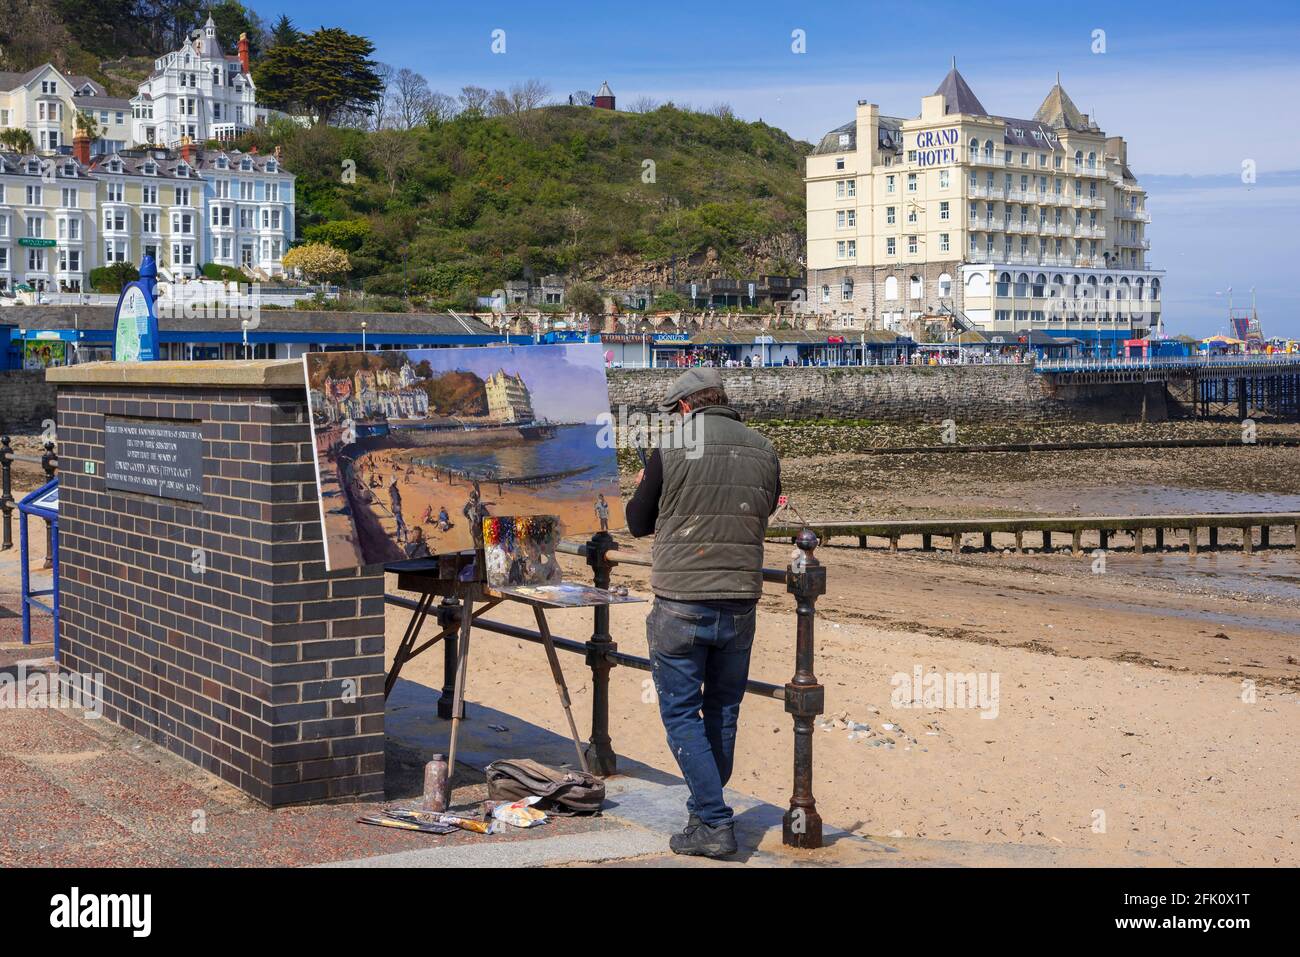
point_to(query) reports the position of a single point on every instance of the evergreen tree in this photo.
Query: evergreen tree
(324, 74)
(284, 33)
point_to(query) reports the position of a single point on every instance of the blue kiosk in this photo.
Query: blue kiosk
(42, 503)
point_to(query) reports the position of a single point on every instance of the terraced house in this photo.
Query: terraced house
(47, 222)
(63, 215)
(994, 223)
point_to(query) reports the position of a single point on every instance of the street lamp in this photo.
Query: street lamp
(243, 325)
(363, 335)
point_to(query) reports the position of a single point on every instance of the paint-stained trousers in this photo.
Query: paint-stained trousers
(701, 655)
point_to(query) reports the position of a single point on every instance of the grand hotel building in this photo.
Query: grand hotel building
(997, 224)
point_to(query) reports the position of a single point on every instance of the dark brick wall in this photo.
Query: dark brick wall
(26, 401)
(242, 664)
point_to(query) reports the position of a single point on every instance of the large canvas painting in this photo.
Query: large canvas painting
(415, 448)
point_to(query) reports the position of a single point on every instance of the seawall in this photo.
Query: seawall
(973, 393)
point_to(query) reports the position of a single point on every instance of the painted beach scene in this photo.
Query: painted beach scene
(415, 448)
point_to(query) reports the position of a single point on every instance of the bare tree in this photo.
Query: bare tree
(441, 108)
(474, 99)
(529, 95)
(722, 111)
(396, 154)
(381, 116)
(644, 104)
(411, 95)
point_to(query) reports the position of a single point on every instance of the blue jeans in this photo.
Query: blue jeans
(700, 652)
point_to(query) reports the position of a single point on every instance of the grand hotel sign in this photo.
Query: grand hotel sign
(937, 147)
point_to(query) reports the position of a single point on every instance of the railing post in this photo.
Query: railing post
(6, 496)
(600, 749)
(805, 578)
(50, 463)
(449, 611)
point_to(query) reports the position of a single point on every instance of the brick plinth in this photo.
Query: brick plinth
(217, 630)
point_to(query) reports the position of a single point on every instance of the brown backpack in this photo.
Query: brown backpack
(561, 791)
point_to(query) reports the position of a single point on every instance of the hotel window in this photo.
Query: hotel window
(69, 199)
(944, 210)
(149, 222)
(890, 215)
(272, 191)
(1024, 157)
(974, 180)
(221, 188)
(890, 246)
(35, 227)
(911, 245)
(1056, 162)
(36, 260)
(846, 290)
(182, 223)
(1024, 184)
(70, 229)
(911, 182)
(943, 179)
(114, 219)
(943, 242)
(974, 244)
(4, 223)
(33, 196)
(112, 192)
(839, 249)
(1024, 246)
(149, 195)
(246, 219)
(1006, 157)
(70, 260)
(182, 254)
(889, 183)
(4, 261)
(182, 196)
(839, 162)
(4, 117)
(826, 293)
(246, 190)
(911, 214)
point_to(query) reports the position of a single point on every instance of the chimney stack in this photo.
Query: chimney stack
(243, 53)
(187, 150)
(81, 148)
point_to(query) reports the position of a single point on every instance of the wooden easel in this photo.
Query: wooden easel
(441, 577)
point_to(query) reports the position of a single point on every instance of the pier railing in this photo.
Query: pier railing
(1086, 364)
(49, 462)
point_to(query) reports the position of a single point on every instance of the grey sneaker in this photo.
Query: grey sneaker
(705, 841)
(692, 822)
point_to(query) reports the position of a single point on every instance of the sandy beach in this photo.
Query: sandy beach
(1146, 715)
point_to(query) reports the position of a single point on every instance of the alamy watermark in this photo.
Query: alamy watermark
(39, 689)
(639, 430)
(212, 300)
(946, 689)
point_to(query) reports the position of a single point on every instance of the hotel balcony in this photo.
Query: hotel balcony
(984, 159)
(986, 192)
(1090, 232)
(1125, 212)
(1088, 169)
(1015, 195)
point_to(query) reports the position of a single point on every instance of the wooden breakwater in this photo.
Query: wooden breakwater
(1185, 532)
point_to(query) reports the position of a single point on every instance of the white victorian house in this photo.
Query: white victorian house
(198, 91)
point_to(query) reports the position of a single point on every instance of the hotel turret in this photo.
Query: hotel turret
(966, 220)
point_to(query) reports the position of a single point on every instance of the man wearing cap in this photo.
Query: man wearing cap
(706, 493)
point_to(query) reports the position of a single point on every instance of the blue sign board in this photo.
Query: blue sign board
(135, 324)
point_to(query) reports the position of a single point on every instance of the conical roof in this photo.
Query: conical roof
(1058, 110)
(958, 97)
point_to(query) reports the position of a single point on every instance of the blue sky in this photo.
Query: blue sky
(1196, 88)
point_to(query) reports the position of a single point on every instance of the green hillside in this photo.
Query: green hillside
(458, 207)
